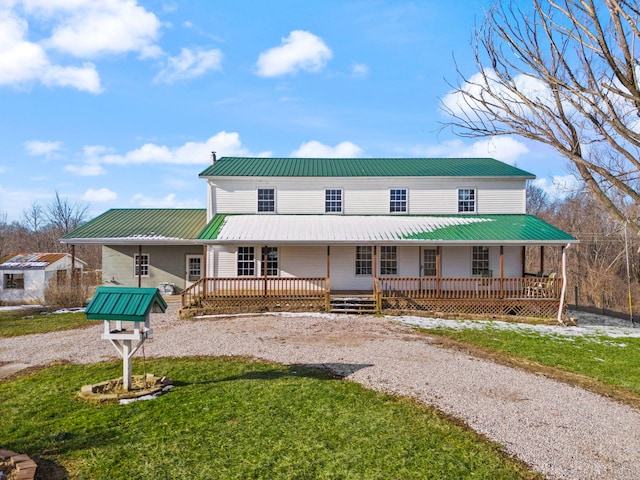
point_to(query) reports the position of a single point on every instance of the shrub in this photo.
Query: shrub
(63, 295)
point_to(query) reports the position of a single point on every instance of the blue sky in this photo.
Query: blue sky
(118, 103)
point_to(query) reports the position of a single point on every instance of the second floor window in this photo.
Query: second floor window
(333, 200)
(397, 200)
(466, 200)
(266, 200)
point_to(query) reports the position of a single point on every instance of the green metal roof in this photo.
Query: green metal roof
(124, 303)
(390, 229)
(362, 167)
(141, 225)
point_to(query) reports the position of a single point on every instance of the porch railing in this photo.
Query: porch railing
(310, 287)
(470, 288)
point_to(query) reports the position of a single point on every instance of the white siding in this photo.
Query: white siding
(303, 261)
(368, 196)
(513, 262)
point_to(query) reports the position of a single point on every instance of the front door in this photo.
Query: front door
(194, 270)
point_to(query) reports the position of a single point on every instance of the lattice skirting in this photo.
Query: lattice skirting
(218, 306)
(542, 308)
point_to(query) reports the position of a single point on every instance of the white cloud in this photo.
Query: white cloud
(90, 28)
(359, 70)
(301, 50)
(22, 61)
(90, 169)
(100, 195)
(505, 149)
(469, 103)
(38, 148)
(190, 64)
(315, 149)
(559, 186)
(169, 201)
(191, 153)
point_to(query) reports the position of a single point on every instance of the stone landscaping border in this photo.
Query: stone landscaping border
(111, 390)
(25, 467)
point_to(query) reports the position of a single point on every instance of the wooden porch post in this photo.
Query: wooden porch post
(73, 264)
(204, 270)
(523, 259)
(542, 259)
(438, 270)
(501, 271)
(139, 266)
(327, 293)
(264, 267)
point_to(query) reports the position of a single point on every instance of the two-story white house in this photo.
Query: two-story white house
(437, 234)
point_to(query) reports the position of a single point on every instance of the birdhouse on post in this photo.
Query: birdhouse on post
(125, 313)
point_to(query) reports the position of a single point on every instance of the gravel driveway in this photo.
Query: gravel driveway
(560, 430)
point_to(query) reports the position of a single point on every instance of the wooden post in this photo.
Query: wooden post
(501, 271)
(438, 269)
(541, 259)
(375, 266)
(204, 271)
(139, 266)
(264, 267)
(523, 259)
(327, 291)
(73, 264)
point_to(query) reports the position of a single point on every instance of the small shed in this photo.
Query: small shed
(125, 313)
(25, 276)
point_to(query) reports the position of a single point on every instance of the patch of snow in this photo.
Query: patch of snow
(153, 396)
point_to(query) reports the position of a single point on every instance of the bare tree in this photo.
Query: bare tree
(64, 216)
(563, 73)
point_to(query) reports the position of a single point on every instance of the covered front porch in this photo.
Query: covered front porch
(473, 264)
(529, 295)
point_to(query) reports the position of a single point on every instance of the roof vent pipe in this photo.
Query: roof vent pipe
(213, 158)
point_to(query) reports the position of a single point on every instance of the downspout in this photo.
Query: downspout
(564, 282)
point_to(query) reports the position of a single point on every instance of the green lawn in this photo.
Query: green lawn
(613, 361)
(235, 419)
(23, 322)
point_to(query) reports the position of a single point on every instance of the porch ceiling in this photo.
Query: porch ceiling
(390, 229)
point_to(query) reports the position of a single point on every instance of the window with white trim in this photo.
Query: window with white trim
(333, 200)
(480, 261)
(272, 261)
(266, 200)
(398, 200)
(195, 268)
(142, 262)
(466, 200)
(429, 262)
(246, 262)
(364, 260)
(388, 260)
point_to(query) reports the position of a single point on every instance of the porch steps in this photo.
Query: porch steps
(353, 304)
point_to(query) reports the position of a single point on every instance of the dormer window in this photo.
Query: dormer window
(266, 200)
(398, 200)
(466, 200)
